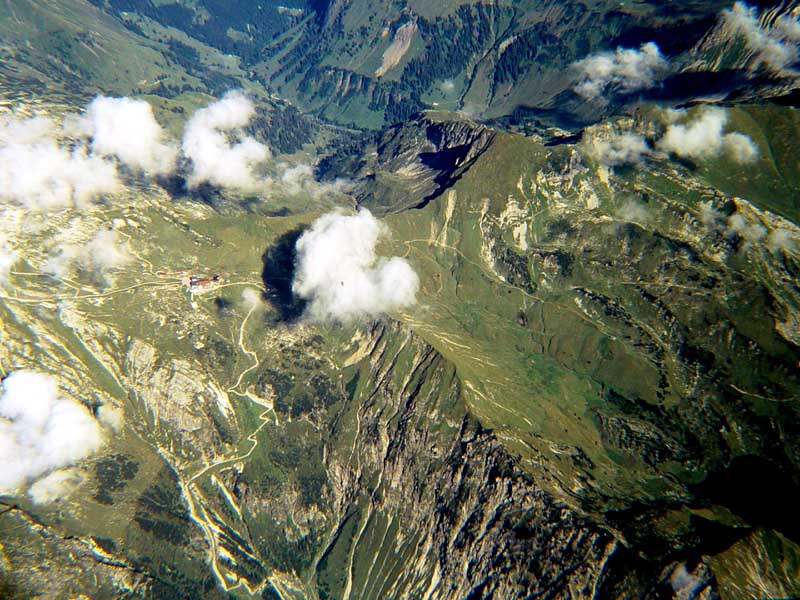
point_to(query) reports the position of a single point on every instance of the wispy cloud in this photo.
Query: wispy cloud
(747, 233)
(781, 240)
(633, 212)
(251, 297)
(710, 217)
(297, 179)
(776, 45)
(55, 486)
(103, 253)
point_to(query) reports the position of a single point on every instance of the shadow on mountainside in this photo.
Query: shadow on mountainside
(278, 273)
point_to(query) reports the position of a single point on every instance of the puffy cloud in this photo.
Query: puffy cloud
(127, 129)
(25, 131)
(46, 164)
(672, 115)
(775, 46)
(618, 149)
(40, 431)
(701, 138)
(37, 172)
(740, 147)
(214, 158)
(111, 416)
(106, 251)
(341, 276)
(627, 69)
(704, 137)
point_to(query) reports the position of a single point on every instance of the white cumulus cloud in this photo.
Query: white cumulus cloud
(740, 147)
(71, 161)
(39, 173)
(40, 430)
(217, 160)
(776, 45)
(704, 137)
(14, 130)
(626, 69)
(340, 274)
(126, 128)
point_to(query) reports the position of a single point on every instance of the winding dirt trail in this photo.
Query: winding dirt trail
(194, 496)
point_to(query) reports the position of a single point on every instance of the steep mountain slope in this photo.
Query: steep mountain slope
(367, 64)
(633, 372)
(567, 411)
(595, 396)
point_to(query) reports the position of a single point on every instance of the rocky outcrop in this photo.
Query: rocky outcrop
(430, 505)
(180, 402)
(410, 164)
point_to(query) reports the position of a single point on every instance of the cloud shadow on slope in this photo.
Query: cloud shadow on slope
(279, 262)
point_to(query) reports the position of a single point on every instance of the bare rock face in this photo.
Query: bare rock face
(441, 509)
(180, 401)
(410, 164)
